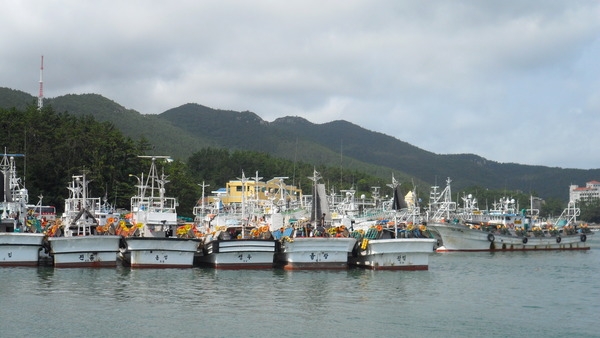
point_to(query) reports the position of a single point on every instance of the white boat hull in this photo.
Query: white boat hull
(156, 252)
(395, 254)
(315, 253)
(238, 254)
(20, 249)
(458, 237)
(85, 251)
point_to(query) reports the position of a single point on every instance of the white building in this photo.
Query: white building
(590, 191)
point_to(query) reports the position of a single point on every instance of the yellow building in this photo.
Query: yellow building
(274, 190)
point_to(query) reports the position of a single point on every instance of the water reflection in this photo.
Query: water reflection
(456, 295)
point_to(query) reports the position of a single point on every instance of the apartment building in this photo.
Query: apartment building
(591, 190)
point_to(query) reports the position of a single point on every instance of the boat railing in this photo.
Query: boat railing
(569, 215)
(155, 204)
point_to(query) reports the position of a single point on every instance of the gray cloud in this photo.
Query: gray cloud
(512, 81)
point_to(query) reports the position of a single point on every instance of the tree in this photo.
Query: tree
(590, 210)
(58, 146)
(183, 187)
(552, 207)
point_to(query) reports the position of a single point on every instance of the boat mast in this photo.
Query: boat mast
(283, 192)
(203, 186)
(15, 198)
(315, 178)
(154, 179)
(243, 180)
(81, 202)
(395, 203)
(256, 201)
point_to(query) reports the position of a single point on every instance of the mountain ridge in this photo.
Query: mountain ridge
(183, 130)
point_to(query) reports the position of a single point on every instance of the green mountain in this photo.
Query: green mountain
(184, 130)
(11, 98)
(166, 138)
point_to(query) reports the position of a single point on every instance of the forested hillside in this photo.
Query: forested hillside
(57, 146)
(185, 130)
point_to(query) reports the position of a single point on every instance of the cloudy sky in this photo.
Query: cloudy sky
(512, 81)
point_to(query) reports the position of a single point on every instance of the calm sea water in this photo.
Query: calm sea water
(531, 294)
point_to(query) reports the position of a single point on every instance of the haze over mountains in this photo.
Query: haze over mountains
(183, 130)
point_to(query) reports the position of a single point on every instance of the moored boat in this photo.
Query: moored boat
(20, 248)
(394, 254)
(224, 252)
(459, 236)
(238, 245)
(506, 229)
(91, 251)
(149, 241)
(159, 252)
(314, 253)
(77, 242)
(306, 246)
(395, 246)
(21, 238)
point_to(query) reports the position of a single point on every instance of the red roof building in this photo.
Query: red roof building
(590, 191)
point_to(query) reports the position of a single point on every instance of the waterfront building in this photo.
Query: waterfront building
(591, 190)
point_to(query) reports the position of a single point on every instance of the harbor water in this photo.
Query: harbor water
(519, 294)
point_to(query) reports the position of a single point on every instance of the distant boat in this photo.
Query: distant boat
(149, 229)
(21, 237)
(78, 243)
(507, 236)
(505, 228)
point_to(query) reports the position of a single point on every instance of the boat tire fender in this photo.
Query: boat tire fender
(491, 237)
(558, 239)
(524, 240)
(583, 237)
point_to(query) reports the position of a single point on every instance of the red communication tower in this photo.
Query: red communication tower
(41, 94)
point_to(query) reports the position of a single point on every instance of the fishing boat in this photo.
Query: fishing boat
(224, 250)
(347, 210)
(237, 244)
(378, 252)
(74, 239)
(314, 253)
(505, 228)
(149, 240)
(311, 244)
(21, 236)
(394, 245)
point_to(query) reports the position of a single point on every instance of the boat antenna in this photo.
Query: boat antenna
(243, 179)
(315, 202)
(341, 162)
(295, 158)
(203, 185)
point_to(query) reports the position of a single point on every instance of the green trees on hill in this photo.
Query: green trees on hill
(217, 166)
(590, 211)
(59, 145)
(184, 130)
